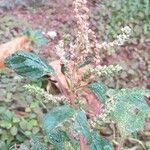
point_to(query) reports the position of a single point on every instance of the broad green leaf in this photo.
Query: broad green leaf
(56, 117)
(7, 116)
(28, 64)
(99, 90)
(61, 140)
(5, 124)
(23, 147)
(99, 143)
(81, 126)
(57, 138)
(129, 118)
(36, 144)
(130, 109)
(133, 96)
(36, 37)
(51, 122)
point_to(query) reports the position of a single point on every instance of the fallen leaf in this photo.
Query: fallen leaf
(6, 49)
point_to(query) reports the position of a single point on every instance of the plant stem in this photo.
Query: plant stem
(120, 146)
(82, 143)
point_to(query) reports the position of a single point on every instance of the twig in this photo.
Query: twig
(138, 141)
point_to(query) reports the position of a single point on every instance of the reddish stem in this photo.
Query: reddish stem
(82, 143)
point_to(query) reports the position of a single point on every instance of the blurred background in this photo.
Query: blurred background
(18, 108)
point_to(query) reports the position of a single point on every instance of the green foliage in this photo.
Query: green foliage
(8, 27)
(11, 4)
(57, 138)
(130, 109)
(93, 139)
(23, 147)
(99, 89)
(53, 120)
(56, 117)
(81, 126)
(36, 37)
(13, 127)
(109, 16)
(129, 112)
(36, 144)
(99, 143)
(28, 65)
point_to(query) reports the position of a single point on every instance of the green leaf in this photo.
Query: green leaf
(14, 130)
(36, 144)
(81, 126)
(5, 124)
(61, 140)
(36, 37)
(23, 147)
(99, 90)
(99, 143)
(133, 96)
(51, 122)
(57, 138)
(130, 109)
(56, 117)
(16, 119)
(129, 118)
(32, 123)
(7, 116)
(21, 138)
(3, 145)
(28, 64)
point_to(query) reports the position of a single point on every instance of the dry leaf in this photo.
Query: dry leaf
(57, 67)
(6, 49)
(78, 75)
(92, 103)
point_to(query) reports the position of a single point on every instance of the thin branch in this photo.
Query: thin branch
(138, 141)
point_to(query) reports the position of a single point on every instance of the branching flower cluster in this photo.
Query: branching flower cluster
(81, 12)
(86, 47)
(106, 70)
(41, 92)
(61, 53)
(121, 39)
